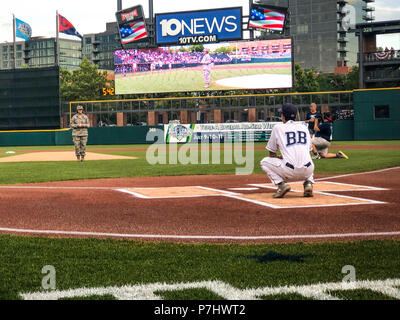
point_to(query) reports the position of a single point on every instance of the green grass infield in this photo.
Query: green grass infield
(360, 160)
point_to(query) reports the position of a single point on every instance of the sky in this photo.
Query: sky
(90, 16)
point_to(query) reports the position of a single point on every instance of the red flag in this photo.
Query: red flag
(64, 26)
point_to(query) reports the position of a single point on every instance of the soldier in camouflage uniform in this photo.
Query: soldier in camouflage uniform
(79, 125)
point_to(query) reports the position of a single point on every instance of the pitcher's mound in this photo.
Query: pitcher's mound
(61, 156)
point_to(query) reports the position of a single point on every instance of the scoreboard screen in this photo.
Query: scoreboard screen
(264, 64)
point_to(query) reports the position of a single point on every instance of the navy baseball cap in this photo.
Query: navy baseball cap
(327, 115)
(289, 111)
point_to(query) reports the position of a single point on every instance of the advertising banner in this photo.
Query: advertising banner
(268, 18)
(131, 23)
(218, 132)
(195, 27)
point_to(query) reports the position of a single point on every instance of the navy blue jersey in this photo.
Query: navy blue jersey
(315, 115)
(325, 130)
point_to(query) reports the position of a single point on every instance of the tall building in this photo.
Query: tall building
(40, 52)
(378, 68)
(99, 47)
(318, 28)
(7, 55)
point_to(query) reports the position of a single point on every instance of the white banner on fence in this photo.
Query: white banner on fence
(183, 133)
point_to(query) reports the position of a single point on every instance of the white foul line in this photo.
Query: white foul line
(356, 174)
(200, 237)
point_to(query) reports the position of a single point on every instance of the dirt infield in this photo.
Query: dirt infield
(208, 211)
(59, 156)
(358, 147)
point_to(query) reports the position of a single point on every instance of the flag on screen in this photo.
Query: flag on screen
(64, 26)
(264, 18)
(133, 31)
(23, 30)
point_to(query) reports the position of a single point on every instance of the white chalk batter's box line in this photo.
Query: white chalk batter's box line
(223, 193)
(360, 188)
(266, 204)
(141, 196)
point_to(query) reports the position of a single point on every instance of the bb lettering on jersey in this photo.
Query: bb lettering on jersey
(293, 138)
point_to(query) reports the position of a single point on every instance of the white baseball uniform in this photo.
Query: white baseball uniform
(294, 142)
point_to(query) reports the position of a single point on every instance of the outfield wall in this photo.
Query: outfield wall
(343, 130)
(376, 117)
(97, 136)
(371, 120)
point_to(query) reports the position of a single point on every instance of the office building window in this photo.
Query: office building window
(302, 29)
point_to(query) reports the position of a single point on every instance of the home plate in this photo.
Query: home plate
(60, 156)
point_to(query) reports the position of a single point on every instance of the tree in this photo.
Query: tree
(331, 82)
(308, 80)
(83, 84)
(353, 79)
(197, 48)
(305, 80)
(224, 50)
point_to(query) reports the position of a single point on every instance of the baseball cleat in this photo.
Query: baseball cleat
(342, 155)
(308, 189)
(78, 158)
(283, 188)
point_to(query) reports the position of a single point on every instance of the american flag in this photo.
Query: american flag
(266, 19)
(133, 32)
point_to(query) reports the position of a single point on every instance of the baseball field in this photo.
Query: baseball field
(117, 227)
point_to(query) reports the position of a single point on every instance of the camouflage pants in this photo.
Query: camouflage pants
(80, 145)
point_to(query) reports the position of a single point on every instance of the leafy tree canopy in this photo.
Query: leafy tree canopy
(83, 84)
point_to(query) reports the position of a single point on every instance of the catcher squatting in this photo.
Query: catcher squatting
(294, 142)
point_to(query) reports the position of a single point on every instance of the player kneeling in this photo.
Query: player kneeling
(322, 140)
(293, 140)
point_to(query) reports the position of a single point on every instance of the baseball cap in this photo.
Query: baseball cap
(79, 108)
(327, 115)
(289, 111)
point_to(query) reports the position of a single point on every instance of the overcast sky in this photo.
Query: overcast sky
(90, 16)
